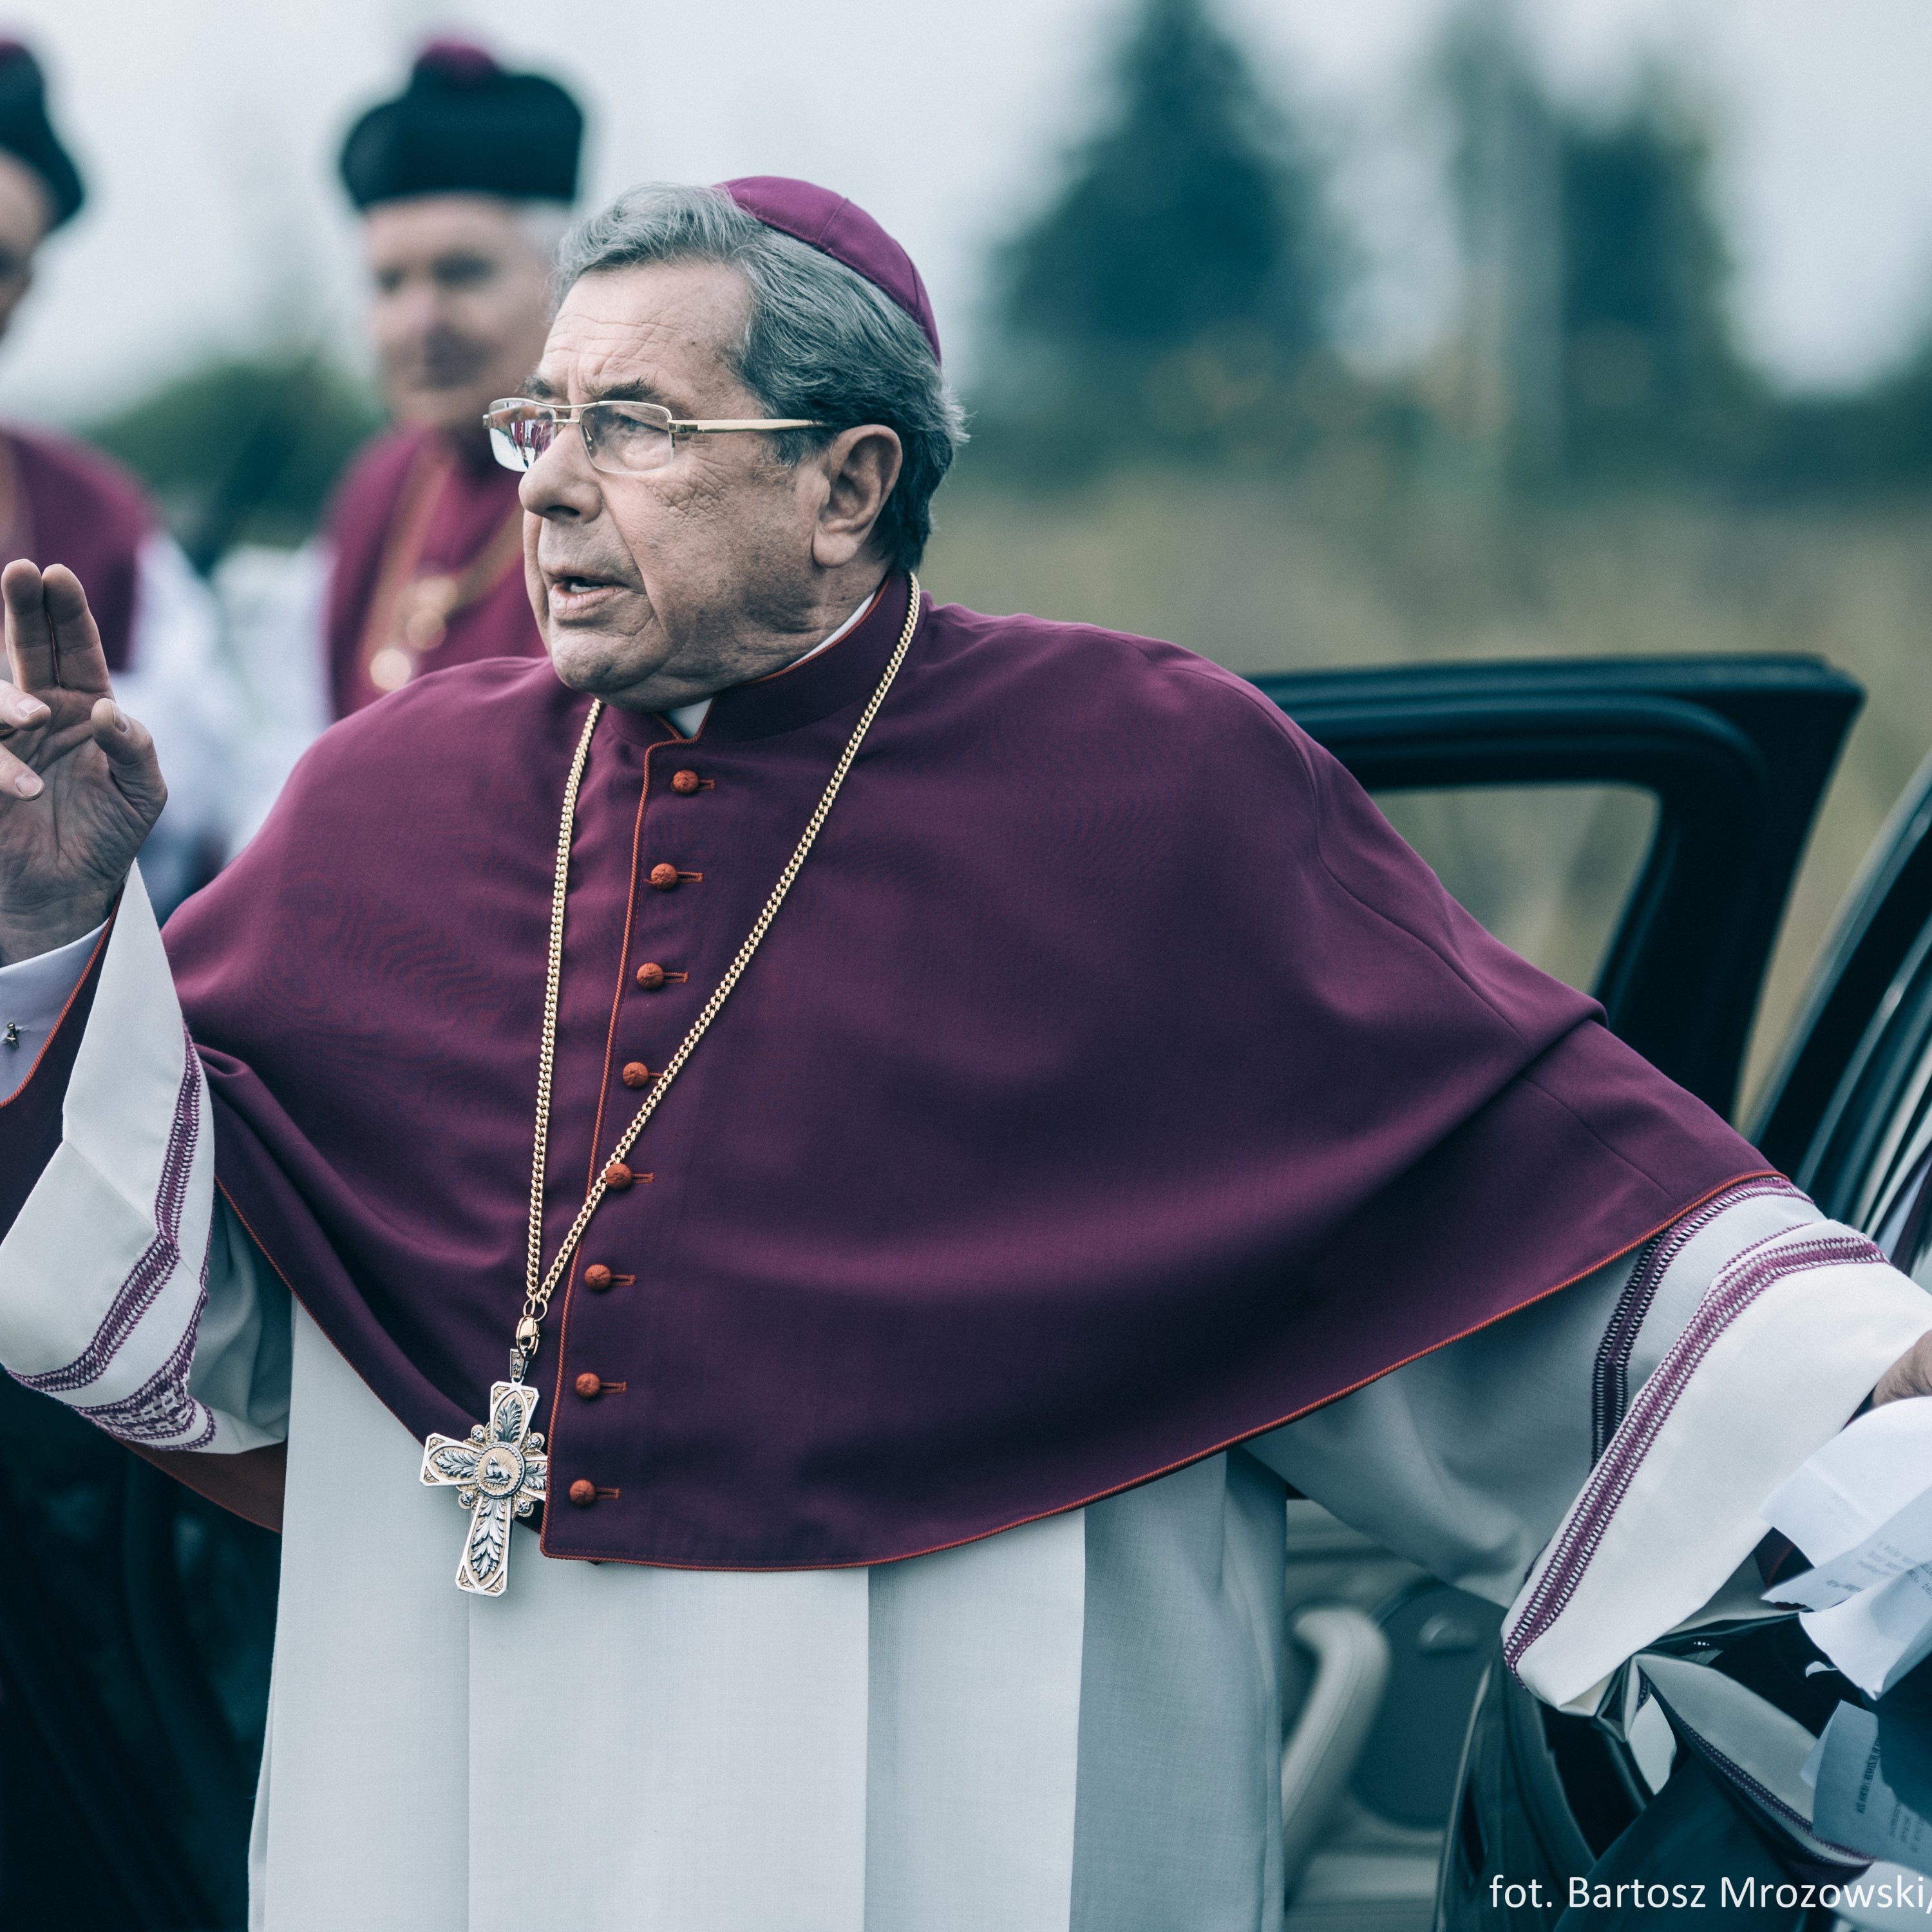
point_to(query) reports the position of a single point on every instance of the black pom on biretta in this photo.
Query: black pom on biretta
(28, 135)
(463, 126)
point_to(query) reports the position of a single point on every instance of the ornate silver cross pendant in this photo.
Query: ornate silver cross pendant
(499, 1472)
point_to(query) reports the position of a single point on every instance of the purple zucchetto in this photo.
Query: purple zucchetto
(464, 126)
(842, 230)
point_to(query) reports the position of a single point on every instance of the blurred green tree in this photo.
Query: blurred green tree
(242, 449)
(1500, 391)
(1653, 377)
(1597, 335)
(1180, 290)
(1874, 441)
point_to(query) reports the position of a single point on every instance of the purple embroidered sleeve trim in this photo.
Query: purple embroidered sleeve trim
(1788, 1815)
(1609, 1387)
(159, 1261)
(160, 1413)
(1610, 1382)
(1759, 1793)
(1741, 1283)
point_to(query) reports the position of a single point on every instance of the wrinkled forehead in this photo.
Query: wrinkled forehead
(667, 332)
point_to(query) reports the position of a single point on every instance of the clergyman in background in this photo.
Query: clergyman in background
(62, 500)
(464, 182)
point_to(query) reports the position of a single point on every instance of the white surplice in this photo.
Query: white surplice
(1075, 1727)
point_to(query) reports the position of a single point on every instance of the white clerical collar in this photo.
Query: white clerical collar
(687, 717)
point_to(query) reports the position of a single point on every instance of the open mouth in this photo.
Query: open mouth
(569, 588)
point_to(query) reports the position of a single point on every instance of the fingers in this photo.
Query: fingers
(17, 778)
(52, 638)
(130, 747)
(21, 708)
(30, 636)
(1911, 1374)
(80, 661)
(127, 742)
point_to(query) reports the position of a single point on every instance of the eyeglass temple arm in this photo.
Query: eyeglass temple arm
(722, 428)
(571, 412)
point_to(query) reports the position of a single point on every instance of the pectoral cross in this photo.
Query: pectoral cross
(499, 1472)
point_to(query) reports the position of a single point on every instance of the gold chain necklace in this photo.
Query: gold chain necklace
(501, 1470)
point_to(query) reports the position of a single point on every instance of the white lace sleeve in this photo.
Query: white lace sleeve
(1597, 1461)
(127, 1291)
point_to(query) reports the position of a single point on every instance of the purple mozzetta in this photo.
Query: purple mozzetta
(1114, 1084)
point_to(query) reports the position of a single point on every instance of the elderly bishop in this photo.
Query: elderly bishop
(774, 1203)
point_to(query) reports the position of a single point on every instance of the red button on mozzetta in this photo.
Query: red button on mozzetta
(597, 1276)
(684, 783)
(584, 1492)
(650, 976)
(589, 1386)
(618, 1176)
(637, 1074)
(664, 878)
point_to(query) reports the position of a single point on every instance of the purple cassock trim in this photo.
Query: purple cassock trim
(161, 1260)
(1736, 1288)
(1609, 1386)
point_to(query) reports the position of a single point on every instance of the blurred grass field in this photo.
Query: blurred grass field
(1330, 571)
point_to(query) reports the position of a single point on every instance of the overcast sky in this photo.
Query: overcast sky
(208, 131)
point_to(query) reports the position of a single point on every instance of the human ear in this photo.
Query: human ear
(860, 466)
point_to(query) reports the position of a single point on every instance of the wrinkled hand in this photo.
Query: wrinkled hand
(1910, 1375)
(79, 784)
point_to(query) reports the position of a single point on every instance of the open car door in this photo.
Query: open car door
(1848, 1114)
(1634, 825)
(136, 1620)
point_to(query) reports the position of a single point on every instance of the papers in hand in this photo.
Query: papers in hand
(1862, 1509)
(1856, 1807)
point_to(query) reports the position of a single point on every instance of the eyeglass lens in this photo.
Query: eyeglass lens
(618, 437)
(516, 445)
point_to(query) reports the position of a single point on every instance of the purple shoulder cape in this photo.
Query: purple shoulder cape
(1115, 1084)
(83, 510)
(472, 504)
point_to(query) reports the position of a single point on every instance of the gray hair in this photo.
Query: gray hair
(821, 340)
(543, 224)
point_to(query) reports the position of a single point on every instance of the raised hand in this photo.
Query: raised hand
(80, 784)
